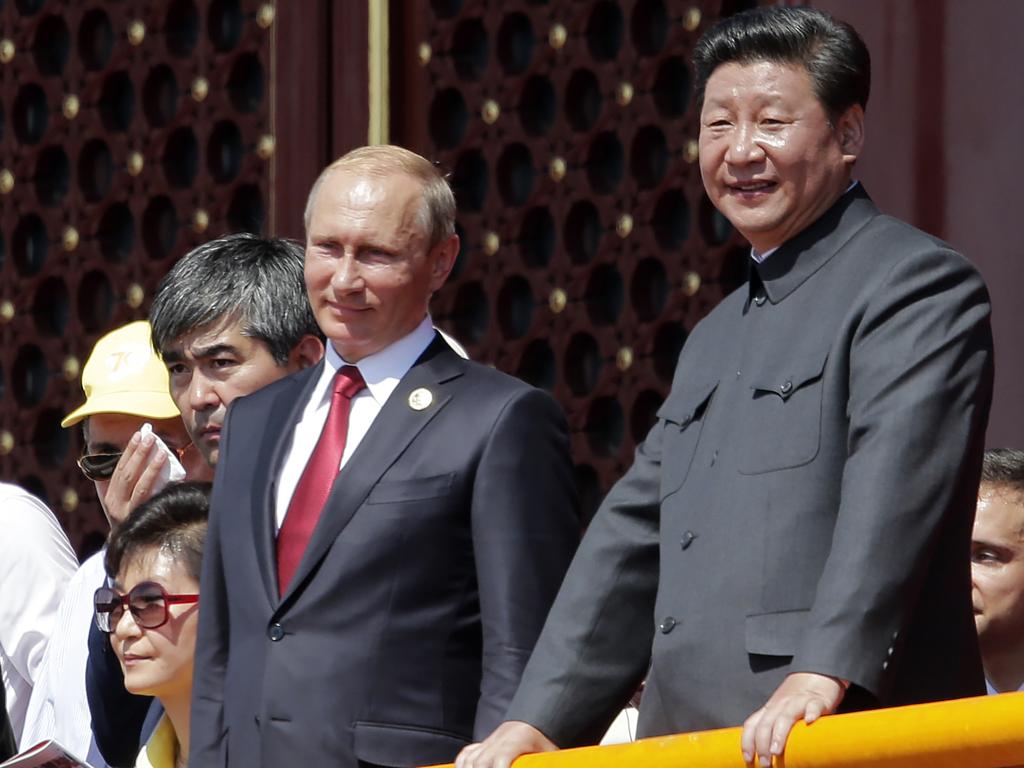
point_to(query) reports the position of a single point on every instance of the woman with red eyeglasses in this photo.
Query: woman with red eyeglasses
(151, 609)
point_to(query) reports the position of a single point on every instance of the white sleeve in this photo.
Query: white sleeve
(36, 562)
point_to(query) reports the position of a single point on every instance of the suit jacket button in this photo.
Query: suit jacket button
(276, 632)
(784, 389)
(759, 299)
(667, 625)
(687, 540)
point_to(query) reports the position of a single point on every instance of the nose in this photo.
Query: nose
(347, 277)
(202, 394)
(126, 627)
(744, 147)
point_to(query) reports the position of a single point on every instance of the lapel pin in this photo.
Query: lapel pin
(420, 399)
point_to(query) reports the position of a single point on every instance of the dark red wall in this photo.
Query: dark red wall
(944, 149)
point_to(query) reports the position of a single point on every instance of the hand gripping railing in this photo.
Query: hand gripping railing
(983, 732)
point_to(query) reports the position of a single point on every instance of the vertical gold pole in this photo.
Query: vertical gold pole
(272, 95)
(379, 128)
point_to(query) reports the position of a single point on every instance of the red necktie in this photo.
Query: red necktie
(315, 484)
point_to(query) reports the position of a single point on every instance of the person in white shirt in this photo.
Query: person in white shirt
(997, 569)
(36, 561)
(125, 385)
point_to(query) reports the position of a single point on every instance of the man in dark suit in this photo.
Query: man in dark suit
(793, 535)
(381, 614)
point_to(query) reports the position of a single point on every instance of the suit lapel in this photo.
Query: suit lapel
(284, 412)
(394, 428)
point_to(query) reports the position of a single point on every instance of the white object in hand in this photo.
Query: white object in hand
(172, 471)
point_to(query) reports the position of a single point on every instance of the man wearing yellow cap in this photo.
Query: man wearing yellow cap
(125, 385)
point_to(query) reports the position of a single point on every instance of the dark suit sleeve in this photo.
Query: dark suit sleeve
(117, 715)
(920, 387)
(525, 527)
(208, 734)
(596, 644)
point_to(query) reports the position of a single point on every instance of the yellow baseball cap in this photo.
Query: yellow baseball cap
(125, 375)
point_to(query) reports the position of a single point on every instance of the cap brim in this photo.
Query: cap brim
(147, 405)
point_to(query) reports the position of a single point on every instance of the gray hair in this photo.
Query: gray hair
(257, 280)
(1004, 468)
(437, 212)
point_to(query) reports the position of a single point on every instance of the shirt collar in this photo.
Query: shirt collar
(162, 747)
(384, 369)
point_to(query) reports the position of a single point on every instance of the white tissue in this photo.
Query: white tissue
(172, 471)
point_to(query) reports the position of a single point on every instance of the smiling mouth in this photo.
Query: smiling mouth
(747, 187)
(342, 310)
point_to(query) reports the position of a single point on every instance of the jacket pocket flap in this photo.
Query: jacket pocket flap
(385, 744)
(415, 489)
(684, 406)
(775, 634)
(787, 375)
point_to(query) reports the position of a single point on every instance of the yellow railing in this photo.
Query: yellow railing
(984, 732)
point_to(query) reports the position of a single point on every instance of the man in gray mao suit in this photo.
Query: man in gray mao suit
(793, 537)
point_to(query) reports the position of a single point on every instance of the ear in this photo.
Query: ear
(850, 130)
(443, 260)
(306, 353)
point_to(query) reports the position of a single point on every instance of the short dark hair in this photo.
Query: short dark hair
(259, 281)
(1004, 468)
(172, 521)
(831, 51)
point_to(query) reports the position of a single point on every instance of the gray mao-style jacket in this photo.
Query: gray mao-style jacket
(803, 503)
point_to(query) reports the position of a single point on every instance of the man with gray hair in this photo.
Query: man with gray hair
(383, 617)
(997, 569)
(230, 317)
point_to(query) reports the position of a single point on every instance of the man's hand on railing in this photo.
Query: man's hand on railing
(508, 741)
(801, 696)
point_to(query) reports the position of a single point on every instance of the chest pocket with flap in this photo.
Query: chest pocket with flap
(683, 414)
(783, 415)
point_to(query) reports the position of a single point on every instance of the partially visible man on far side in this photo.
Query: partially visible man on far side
(387, 529)
(997, 569)
(230, 317)
(792, 536)
(125, 386)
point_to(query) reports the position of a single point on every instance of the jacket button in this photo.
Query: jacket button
(786, 387)
(667, 625)
(687, 540)
(276, 632)
(760, 299)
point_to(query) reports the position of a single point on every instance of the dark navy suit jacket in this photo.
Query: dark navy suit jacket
(425, 584)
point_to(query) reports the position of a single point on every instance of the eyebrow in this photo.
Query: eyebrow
(199, 352)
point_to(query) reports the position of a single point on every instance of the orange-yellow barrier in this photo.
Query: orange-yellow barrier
(984, 732)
